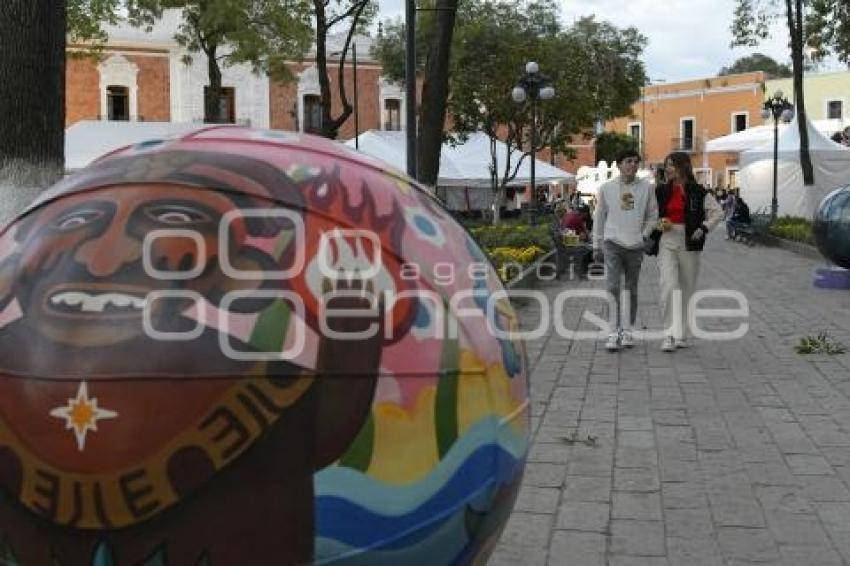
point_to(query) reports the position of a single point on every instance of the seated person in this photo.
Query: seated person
(587, 213)
(574, 220)
(740, 216)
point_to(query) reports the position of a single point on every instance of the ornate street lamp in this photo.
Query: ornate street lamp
(533, 86)
(781, 109)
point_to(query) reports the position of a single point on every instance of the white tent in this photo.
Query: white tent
(87, 140)
(831, 162)
(464, 179)
(743, 140)
(466, 165)
(752, 138)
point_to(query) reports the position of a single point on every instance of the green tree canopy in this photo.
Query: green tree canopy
(85, 19)
(594, 67)
(757, 62)
(609, 144)
(828, 29)
(751, 24)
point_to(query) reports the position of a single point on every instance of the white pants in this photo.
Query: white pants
(679, 270)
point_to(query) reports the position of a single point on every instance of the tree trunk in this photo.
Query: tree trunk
(32, 84)
(498, 198)
(327, 130)
(212, 96)
(435, 93)
(795, 29)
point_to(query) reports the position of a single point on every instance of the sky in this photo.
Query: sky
(688, 39)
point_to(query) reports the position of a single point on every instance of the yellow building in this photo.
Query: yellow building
(827, 95)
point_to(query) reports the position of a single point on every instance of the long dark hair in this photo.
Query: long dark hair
(682, 162)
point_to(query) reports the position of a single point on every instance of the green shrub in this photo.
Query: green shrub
(820, 344)
(512, 235)
(792, 228)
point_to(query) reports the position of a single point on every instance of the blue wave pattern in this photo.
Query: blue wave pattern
(362, 519)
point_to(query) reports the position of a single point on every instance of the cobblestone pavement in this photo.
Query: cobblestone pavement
(724, 453)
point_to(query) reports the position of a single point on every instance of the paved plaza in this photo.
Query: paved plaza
(725, 453)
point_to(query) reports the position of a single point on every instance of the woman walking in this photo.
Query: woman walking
(687, 213)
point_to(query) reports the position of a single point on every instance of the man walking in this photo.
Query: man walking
(626, 214)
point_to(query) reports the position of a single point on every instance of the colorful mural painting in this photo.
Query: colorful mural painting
(252, 347)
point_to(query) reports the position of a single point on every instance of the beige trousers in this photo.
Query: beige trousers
(679, 270)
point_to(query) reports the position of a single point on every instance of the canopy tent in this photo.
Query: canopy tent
(466, 165)
(87, 140)
(831, 163)
(743, 140)
(752, 138)
(464, 180)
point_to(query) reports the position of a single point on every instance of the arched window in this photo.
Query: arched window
(119, 89)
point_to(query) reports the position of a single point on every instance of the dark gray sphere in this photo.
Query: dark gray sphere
(832, 227)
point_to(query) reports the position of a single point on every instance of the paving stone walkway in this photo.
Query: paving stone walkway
(726, 453)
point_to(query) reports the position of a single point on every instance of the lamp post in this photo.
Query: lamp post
(533, 86)
(779, 108)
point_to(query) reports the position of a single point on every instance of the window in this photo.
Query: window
(835, 109)
(118, 103)
(731, 178)
(686, 143)
(226, 105)
(739, 121)
(633, 130)
(312, 114)
(392, 113)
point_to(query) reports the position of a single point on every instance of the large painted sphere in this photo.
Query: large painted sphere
(832, 227)
(251, 347)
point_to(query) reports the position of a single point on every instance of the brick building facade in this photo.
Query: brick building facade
(141, 76)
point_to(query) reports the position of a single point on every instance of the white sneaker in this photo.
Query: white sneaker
(626, 339)
(668, 345)
(613, 343)
(683, 343)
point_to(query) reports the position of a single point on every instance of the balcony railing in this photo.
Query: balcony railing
(688, 145)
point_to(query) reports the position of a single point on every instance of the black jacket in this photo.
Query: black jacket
(741, 213)
(694, 211)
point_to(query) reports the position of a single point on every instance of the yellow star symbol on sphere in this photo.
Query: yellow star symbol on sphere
(81, 414)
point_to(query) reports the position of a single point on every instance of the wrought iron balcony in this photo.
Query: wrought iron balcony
(688, 145)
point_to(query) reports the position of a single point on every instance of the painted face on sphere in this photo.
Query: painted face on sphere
(81, 279)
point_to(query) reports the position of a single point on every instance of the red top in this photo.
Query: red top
(676, 205)
(574, 220)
